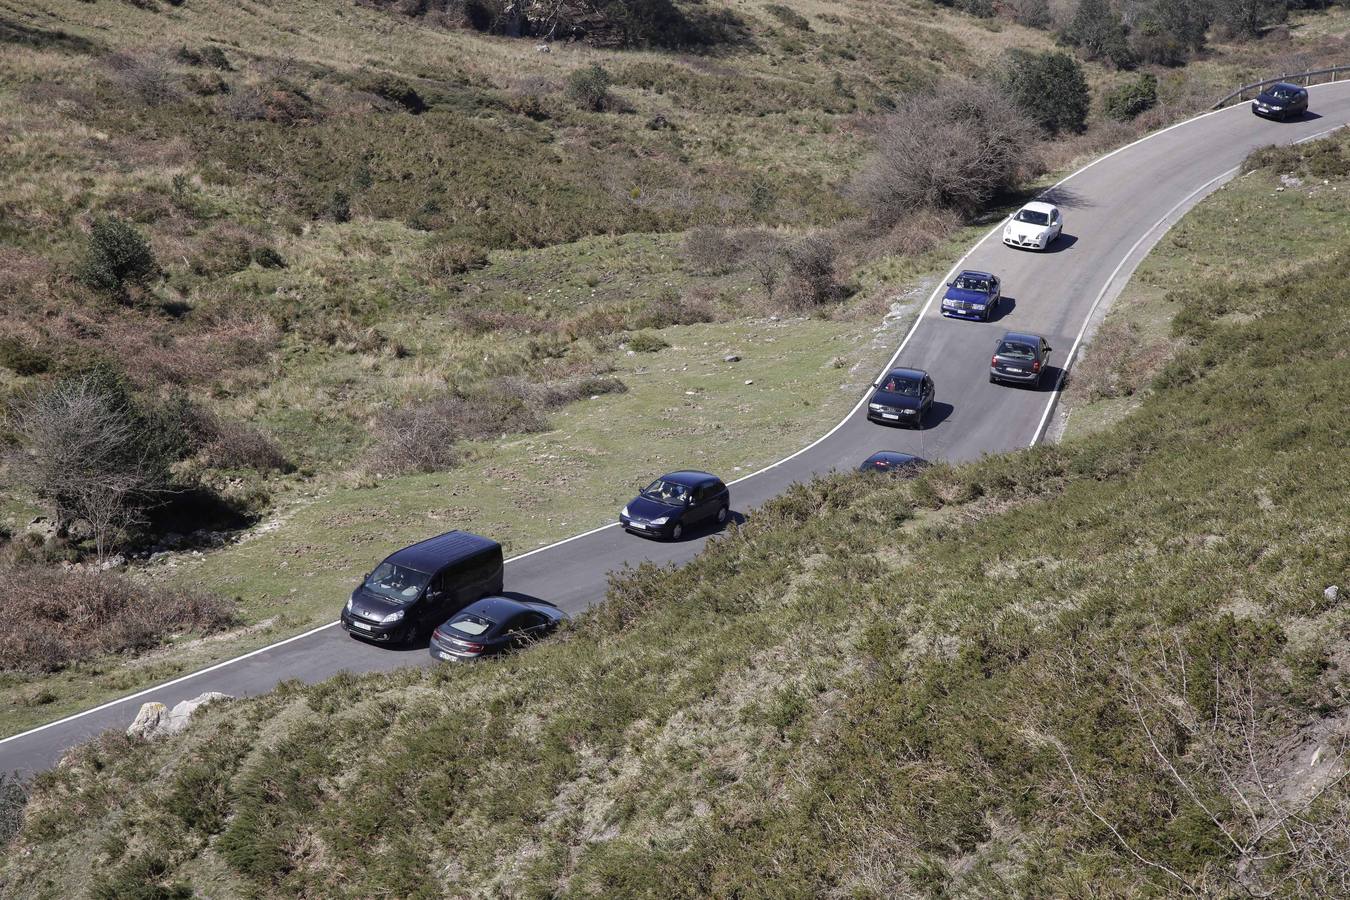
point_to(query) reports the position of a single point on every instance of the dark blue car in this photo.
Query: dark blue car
(493, 625)
(672, 504)
(903, 397)
(972, 295)
(894, 462)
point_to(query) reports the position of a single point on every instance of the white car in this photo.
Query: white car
(1035, 227)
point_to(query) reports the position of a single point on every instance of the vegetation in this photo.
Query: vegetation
(1109, 662)
(1049, 88)
(1132, 98)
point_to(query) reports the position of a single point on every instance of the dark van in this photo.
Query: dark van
(418, 587)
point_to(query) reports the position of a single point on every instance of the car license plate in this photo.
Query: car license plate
(636, 525)
(363, 626)
(1011, 369)
(890, 416)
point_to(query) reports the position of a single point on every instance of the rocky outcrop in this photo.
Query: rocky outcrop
(155, 720)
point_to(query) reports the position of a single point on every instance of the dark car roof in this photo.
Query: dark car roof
(912, 374)
(973, 274)
(433, 553)
(895, 457)
(501, 609)
(1282, 85)
(1022, 337)
(689, 477)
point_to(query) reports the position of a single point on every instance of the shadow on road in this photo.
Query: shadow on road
(1064, 242)
(1065, 197)
(1005, 309)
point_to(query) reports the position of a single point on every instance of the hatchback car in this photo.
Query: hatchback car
(972, 295)
(1281, 101)
(1019, 358)
(893, 462)
(672, 504)
(904, 396)
(493, 625)
(1035, 227)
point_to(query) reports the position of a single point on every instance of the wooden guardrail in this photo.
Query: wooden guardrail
(1303, 78)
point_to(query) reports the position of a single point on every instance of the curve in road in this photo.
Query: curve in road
(1116, 208)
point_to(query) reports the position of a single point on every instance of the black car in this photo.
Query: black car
(1281, 101)
(904, 396)
(493, 625)
(673, 503)
(418, 586)
(1019, 358)
(894, 462)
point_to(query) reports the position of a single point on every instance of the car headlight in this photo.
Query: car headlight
(348, 607)
(978, 305)
(908, 412)
(661, 521)
(876, 406)
(625, 512)
(393, 616)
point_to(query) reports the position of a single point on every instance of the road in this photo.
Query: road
(1115, 210)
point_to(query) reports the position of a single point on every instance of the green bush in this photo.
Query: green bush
(396, 91)
(116, 255)
(21, 358)
(788, 16)
(1097, 30)
(646, 342)
(588, 87)
(1049, 87)
(1129, 100)
(340, 206)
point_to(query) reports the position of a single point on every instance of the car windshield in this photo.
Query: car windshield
(1283, 93)
(899, 384)
(471, 625)
(1016, 351)
(889, 462)
(1033, 217)
(971, 283)
(398, 583)
(664, 491)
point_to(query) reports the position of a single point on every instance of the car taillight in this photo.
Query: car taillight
(1036, 366)
(473, 648)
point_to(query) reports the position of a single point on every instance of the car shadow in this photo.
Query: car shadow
(938, 413)
(1307, 116)
(1065, 241)
(1065, 197)
(1046, 385)
(1005, 307)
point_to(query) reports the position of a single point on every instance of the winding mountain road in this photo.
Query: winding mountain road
(1115, 210)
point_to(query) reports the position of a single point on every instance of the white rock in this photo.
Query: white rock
(148, 720)
(1332, 593)
(155, 720)
(749, 381)
(731, 357)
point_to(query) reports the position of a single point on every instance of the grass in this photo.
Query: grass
(875, 687)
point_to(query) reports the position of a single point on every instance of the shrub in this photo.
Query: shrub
(1168, 31)
(788, 16)
(446, 259)
(13, 799)
(1247, 18)
(711, 250)
(646, 342)
(22, 358)
(810, 271)
(340, 206)
(267, 258)
(55, 617)
(116, 255)
(1049, 87)
(589, 87)
(1097, 30)
(230, 444)
(1129, 100)
(421, 437)
(396, 91)
(956, 149)
(1031, 13)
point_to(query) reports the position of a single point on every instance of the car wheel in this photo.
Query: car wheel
(722, 516)
(676, 532)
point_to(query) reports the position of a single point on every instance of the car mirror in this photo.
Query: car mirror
(1048, 348)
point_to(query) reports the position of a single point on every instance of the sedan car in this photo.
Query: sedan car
(972, 295)
(673, 503)
(1281, 101)
(493, 625)
(1019, 358)
(1035, 227)
(904, 396)
(893, 462)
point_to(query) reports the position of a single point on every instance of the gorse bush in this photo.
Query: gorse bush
(117, 255)
(1050, 88)
(1129, 100)
(588, 87)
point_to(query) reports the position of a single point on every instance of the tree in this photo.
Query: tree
(1247, 18)
(954, 149)
(1096, 29)
(1049, 87)
(1167, 32)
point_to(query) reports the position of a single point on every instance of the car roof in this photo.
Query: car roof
(1021, 336)
(1282, 84)
(973, 274)
(1039, 206)
(907, 373)
(688, 477)
(430, 555)
(893, 456)
(498, 609)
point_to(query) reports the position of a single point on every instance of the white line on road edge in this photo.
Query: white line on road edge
(1106, 288)
(895, 356)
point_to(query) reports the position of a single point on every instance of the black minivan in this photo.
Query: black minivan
(418, 587)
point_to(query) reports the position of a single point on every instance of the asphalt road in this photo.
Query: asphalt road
(1114, 211)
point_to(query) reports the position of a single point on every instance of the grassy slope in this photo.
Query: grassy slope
(870, 689)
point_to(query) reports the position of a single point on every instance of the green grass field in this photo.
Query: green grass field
(1065, 670)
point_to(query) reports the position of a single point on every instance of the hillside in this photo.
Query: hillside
(1111, 665)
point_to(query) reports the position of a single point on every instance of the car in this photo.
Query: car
(903, 396)
(493, 625)
(414, 588)
(1281, 101)
(673, 503)
(1019, 358)
(972, 295)
(1035, 227)
(893, 462)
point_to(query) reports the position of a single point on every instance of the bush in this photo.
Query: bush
(55, 617)
(230, 444)
(446, 259)
(340, 206)
(646, 342)
(422, 437)
(116, 255)
(711, 250)
(1129, 100)
(589, 87)
(21, 358)
(955, 149)
(396, 91)
(1097, 30)
(1049, 87)
(13, 799)
(788, 16)
(810, 273)
(267, 258)
(1166, 32)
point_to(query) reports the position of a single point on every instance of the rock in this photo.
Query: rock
(659, 122)
(1331, 594)
(43, 527)
(749, 381)
(113, 562)
(543, 48)
(1290, 180)
(731, 357)
(155, 720)
(631, 353)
